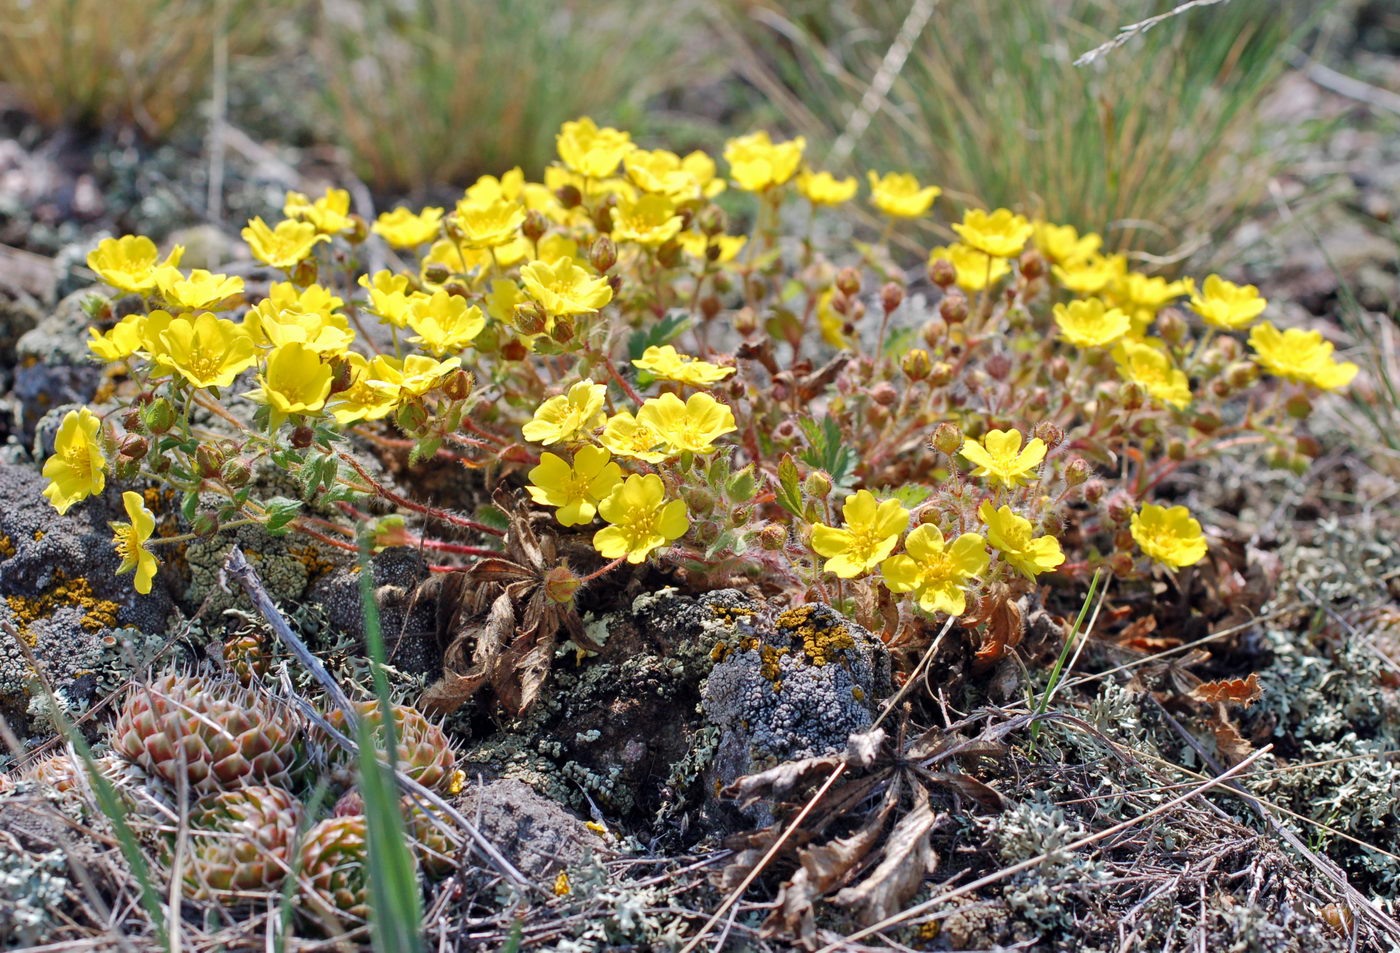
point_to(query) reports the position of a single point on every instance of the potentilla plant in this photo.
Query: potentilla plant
(818, 421)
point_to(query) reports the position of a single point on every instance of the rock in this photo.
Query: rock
(410, 630)
(206, 246)
(532, 832)
(53, 365)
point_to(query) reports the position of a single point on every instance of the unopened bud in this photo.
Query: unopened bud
(1051, 434)
(711, 220)
(745, 321)
(602, 215)
(1207, 423)
(304, 274)
(615, 283)
(1059, 369)
(891, 296)
(135, 446)
(569, 196)
(1130, 395)
(1094, 491)
(942, 273)
(1299, 406)
(916, 364)
(302, 436)
(1120, 507)
(514, 350)
(709, 307)
(1241, 374)
(358, 230)
(772, 537)
(529, 317)
(669, 255)
(458, 385)
(1308, 446)
(457, 288)
(933, 331)
(207, 460)
(1121, 564)
(603, 254)
(1229, 348)
(998, 366)
(236, 472)
(560, 584)
(535, 225)
(848, 282)
(941, 374)
(159, 416)
(947, 438)
(953, 309)
(205, 525)
(1032, 264)
(411, 417)
(698, 500)
(563, 330)
(435, 273)
(817, 484)
(1077, 471)
(884, 394)
(131, 420)
(1172, 325)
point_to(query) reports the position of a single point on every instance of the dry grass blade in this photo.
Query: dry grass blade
(1138, 29)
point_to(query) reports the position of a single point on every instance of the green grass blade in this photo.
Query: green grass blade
(1058, 670)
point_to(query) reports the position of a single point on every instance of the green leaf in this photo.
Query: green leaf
(742, 486)
(493, 516)
(789, 491)
(424, 449)
(910, 494)
(280, 512)
(189, 505)
(825, 449)
(662, 332)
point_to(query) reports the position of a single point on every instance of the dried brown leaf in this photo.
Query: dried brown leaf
(907, 857)
(1240, 691)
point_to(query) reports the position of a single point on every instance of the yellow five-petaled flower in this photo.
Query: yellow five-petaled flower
(130, 542)
(899, 195)
(576, 489)
(692, 426)
(642, 520)
(568, 416)
(871, 531)
(999, 457)
(935, 571)
(667, 363)
(1170, 536)
(77, 468)
(1301, 356)
(1013, 537)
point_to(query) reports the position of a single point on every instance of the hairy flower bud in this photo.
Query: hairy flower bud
(1077, 471)
(159, 416)
(458, 385)
(514, 350)
(1130, 395)
(941, 375)
(603, 254)
(1241, 374)
(358, 231)
(953, 308)
(891, 296)
(709, 307)
(1050, 433)
(1120, 506)
(884, 394)
(131, 420)
(529, 317)
(457, 288)
(772, 537)
(848, 282)
(560, 584)
(563, 330)
(236, 472)
(942, 272)
(998, 366)
(304, 274)
(135, 446)
(435, 273)
(1094, 491)
(947, 438)
(534, 226)
(1299, 406)
(1032, 264)
(1176, 449)
(1172, 325)
(745, 321)
(669, 254)
(205, 524)
(934, 330)
(301, 437)
(916, 364)
(699, 500)
(208, 460)
(1206, 423)
(817, 484)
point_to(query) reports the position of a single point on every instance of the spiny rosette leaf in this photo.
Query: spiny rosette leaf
(241, 840)
(423, 751)
(334, 871)
(212, 734)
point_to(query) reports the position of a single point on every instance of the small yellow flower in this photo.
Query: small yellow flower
(562, 287)
(403, 228)
(660, 171)
(488, 188)
(757, 163)
(590, 150)
(1143, 296)
(898, 194)
(666, 363)
(201, 291)
(1300, 355)
(77, 468)
(130, 542)
(692, 426)
(1091, 274)
(366, 398)
(999, 457)
(313, 299)
(329, 215)
(975, 269)
(698, 245)
(413, 376)
(389, 297)
(129, 263)
(641, 519)
(207, 351)
(444, 323)
(627, 438)
(1226, 305)
(284, 246)
(934, 571)
(1062, 244)
(1091, 323)
(871, 531)
(1148, 365)
(568, 417)
(1170, 536)
(651, 220)
(490, 225)
(276, 322)
(832, 323)
(297, 381)
(561, 884)
(1013, 538)
(574, 490)
(122, 340)
(823, 188)
(1001, 233)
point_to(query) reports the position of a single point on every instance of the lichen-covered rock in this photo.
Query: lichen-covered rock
(287, 566)
(794, 684)
(409, 628)
(60, 590)
(534, 833)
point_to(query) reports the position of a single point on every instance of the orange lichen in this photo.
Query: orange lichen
(98, 614)
(822, 641)
(7, 547)
(316, 562)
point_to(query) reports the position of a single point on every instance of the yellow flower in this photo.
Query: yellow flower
(568, 417)
(658, 170)
(77, 468)
(122, 340)
(833, 324)
(651, 220)
(490, 225)
(1091, 323)
(444, 323)
(562, 287)
(403, 228)
(1011, 535)
(1170, 536)
(276, 321)
(329, 215)
(1300, 355)
(1149, 366)
(1061, 244)
(975, 269)
(627, 438)
(698, 245)
(201, 291)
(389, 296)
(1226, 305)
(487, 189)
(823, 188)
(413, 376)
(284, 246)
(666, 363)
(297, 381)
(1000, 233)
(207, 351)
(702, 171)
(871, 531)
(934, 571)
(313, 299)
(575, 490)
(130, 542)
(591, 151)
(1142, 296)
(1091, 274)
(366, 398)
(898, 194)
(999, 457)
(692, 426)
(641, 519)
(152, 329)
(757, 163)
(129, 263)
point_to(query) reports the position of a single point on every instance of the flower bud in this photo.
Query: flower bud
(772, 537)
(876, 415)
(563, 330)
(1176, 449)
(456, 288)
(669, 254)
(1094, 491)
(891, 296)
(709, 307)
(358, 231)
(1229, 348)
(535, 225)
(884, 394)
(560, 584)
(998, 366)
(941, 375)
(131, 420)
(205, 524)
(706, 532)
(1308, 446)
(615, 283)
(159, 416)
(569, 196)
(458, 385)
(1121, 564)
(603, 254)
(236, 472)
(208, 460)
(1172, 325)
(942, 273)
(933, 331)
(1059, 369)
(1130, 395)
(817, 484)
(916, 364)
(514, 350)
(947, 438)
(529, 317)
(304, 274)
(745, 321)
(126, 468)
(953, 308)
(602, 215)
(698, 500)
(135, 446)
(302, 436)
(1206, 423)
(1241, 374)
(848, 282)
(1299, 406)
(1051, 434)
(1077, 471)
(1120, 506)
(435, 273)
(1032, 264)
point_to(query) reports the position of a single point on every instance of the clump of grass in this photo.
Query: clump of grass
(1158, 141)
(437, 91)
(143, 62)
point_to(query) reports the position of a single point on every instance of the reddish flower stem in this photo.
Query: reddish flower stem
(401, 500)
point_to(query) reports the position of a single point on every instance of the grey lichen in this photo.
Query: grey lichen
(32, 889)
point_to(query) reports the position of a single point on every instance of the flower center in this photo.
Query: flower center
(78, 458)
